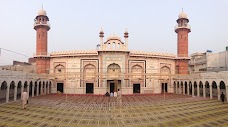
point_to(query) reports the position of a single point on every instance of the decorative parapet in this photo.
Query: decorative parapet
(74, 53)
(187, 26)
(151, 54)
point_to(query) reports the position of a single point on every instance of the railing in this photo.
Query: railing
(44, 24)
(182, 26)
(41, 54)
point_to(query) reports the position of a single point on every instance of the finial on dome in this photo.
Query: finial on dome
(101, 30)
(42, 12)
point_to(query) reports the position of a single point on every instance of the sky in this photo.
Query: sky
(75, 25)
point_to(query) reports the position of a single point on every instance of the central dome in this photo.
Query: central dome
(42, 12)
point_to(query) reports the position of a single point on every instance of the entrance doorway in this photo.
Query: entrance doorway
(60, 87)
(89, 88)
(164, 87)
(112, 87)
(136, 88)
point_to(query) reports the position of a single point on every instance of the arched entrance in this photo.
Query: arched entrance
(137, 78)
(3, 92)
(165, 72)
(25, 86)
(43, 88)
(223, 89)
(181, 88)
(35, 89)
(113, 82)
(89, 75)
(39, 88)
(11, 91)
(190, 88)
(195, 88)
(185, 87)
(30, 89)
(178, 87)
(200, 88)
(19, 85)
(207, 89)
(214, 90)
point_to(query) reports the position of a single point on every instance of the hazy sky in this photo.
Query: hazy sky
(75, 24)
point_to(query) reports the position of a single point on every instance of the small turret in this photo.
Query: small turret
(101, 35)
(126, 38)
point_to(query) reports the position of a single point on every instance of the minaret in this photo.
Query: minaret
(42, 26)
(182, 30)
(101, 35)
(126, 38)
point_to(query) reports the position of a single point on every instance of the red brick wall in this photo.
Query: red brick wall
(182, 42)
(181, 66)
(42, 65)
(41, 41)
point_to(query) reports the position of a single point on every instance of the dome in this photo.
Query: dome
(114, 37)
(183, 15)
(42, 12)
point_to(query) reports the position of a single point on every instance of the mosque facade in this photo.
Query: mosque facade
(111, 66)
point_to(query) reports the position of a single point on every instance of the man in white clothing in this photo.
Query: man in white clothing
(24, 99)
(119, 97)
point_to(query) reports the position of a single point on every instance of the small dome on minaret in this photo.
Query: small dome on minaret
(126, 33)
(42, 12)
(183, 15)
(101, 33)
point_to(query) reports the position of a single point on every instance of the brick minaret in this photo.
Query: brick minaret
(42, 27)
(182, 29)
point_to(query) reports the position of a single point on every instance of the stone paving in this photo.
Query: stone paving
(100, 111)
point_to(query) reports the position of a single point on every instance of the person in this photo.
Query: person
(106, 94)
(111, 94)
(119, 97)
(24, 99)
(222, 97)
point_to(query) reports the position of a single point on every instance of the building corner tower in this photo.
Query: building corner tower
(182, 29)
(42, 26)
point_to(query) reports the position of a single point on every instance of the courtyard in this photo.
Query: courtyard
(171, 110)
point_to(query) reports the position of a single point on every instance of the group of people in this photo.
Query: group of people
(119, 96)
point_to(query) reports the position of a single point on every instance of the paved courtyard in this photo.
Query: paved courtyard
(100, 111)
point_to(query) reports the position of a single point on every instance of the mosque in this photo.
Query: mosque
(111, 66)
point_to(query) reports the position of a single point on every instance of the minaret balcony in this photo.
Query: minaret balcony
(187, 26)
(44, 54)
(42, 24)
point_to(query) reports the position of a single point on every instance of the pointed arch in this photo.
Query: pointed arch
(11, 91)
(30, 88)
(207, 89)
(214, 89)
(19, 88)
(190, 87)
(195, 88)
(201, 88)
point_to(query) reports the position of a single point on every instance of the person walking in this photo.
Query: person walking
(119, 97)
(222, 97)
(24, 99)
